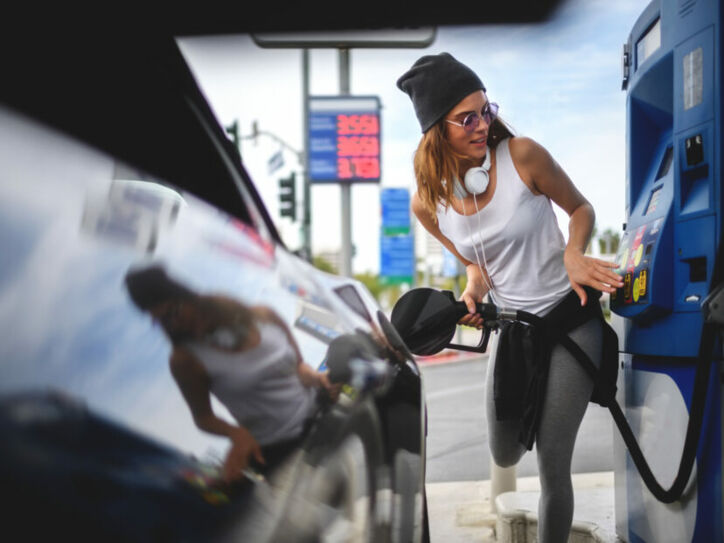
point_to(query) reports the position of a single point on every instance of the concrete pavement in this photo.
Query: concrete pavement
(461, 512)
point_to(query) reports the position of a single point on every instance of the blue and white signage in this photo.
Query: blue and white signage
(395, 204)
(397, 258)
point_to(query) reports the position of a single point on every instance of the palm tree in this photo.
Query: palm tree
(608, 242)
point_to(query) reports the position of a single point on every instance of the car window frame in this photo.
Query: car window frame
(257, 212)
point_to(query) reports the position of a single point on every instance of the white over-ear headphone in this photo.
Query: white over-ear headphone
(478, 178)
(476, 182)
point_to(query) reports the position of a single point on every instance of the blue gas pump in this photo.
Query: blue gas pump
(670, 381)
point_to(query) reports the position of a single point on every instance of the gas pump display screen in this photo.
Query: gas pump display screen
(648, 43)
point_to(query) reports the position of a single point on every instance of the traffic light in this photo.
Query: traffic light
(233, 131)
(287, 197)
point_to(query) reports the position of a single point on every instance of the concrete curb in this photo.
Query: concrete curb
(462, 512)
(521, 526)
(593, 520)
(447, 357)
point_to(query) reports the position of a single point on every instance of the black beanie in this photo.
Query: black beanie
(436, 83)
(151, 286)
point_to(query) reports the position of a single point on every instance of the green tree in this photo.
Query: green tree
(376, 287)
(608, 241)
(384, 294)
(323, 264)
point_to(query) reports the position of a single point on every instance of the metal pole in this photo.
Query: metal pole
(307, 214)
(346, 188)
(501, 480)
(459, 270)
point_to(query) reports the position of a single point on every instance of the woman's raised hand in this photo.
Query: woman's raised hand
(593, 272)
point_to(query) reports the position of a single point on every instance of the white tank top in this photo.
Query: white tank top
(260, 387)
(519, 233)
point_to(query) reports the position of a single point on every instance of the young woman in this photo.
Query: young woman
(486, 196)
(246, 356)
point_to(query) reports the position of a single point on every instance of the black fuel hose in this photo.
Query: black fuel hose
(696, 413)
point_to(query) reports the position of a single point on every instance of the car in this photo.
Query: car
(118, 187)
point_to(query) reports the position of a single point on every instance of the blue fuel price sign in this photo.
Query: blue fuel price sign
(344, 139)
(397, 259)
(395, 204)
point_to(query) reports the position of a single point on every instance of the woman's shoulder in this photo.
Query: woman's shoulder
(529, 156)
(415, 201)
(184, 363)
(523, 147)
(421, 212)
(417, 205)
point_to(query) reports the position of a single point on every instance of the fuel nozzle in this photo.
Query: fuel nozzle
(489, 312)
(426, 319)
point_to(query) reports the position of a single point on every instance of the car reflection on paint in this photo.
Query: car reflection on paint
(101, 437)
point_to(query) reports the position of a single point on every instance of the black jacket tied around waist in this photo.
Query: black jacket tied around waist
(523, 358)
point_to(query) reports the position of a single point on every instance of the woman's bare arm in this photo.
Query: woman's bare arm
(544, 175)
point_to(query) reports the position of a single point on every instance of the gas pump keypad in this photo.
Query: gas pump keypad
(643, 278)
(627, 286)
(634, 262)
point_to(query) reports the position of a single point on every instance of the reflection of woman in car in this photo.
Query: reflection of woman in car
(245, 356)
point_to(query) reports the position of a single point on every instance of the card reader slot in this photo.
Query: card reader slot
(696, 171)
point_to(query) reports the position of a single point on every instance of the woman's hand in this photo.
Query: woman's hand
(243, 447)
(475, 290)
(585, 270)
(318, 379)
(333, 389)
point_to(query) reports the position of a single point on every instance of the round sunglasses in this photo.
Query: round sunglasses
(472, 120)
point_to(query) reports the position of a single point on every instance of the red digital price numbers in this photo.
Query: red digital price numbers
(358, 168)
(358, 146)
(365, 125)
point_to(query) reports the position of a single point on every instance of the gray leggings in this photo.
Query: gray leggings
(567, 395)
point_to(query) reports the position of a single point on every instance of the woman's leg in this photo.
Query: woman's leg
(503, 441)
(568, 393)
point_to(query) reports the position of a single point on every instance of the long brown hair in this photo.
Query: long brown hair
(435, 161)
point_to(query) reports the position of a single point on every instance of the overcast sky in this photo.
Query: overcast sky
(557, 82)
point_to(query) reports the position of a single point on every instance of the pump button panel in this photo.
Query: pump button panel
(636, 260)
